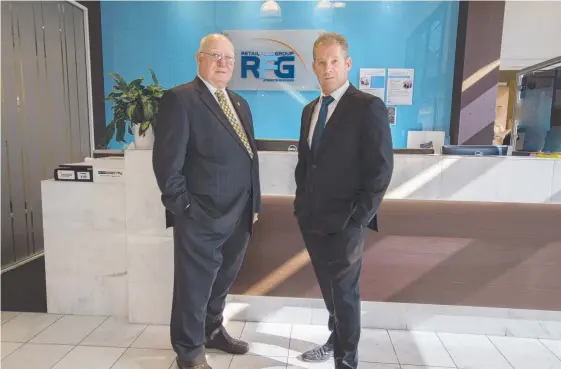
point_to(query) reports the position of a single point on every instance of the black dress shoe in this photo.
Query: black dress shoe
(183, 365)
(318, 354)
(221, 340)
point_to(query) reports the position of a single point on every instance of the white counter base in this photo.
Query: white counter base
(402, 316)
(85, 248)
(446, 178)
(107, 251)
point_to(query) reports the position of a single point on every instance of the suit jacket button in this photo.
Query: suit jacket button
(314, 166)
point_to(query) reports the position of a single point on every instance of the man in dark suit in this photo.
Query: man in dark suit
(207, 168)
(345, 163)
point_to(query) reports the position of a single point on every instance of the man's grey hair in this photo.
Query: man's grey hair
(327, 38)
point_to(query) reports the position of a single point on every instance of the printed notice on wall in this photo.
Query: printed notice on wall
(373, 81)
(400, 86)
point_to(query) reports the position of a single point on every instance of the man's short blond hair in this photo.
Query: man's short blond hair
(329, 38)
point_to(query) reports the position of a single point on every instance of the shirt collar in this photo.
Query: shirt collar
(338, 93)
(210, 87)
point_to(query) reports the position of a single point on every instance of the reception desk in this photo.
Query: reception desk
(463, 240)
(507, 179)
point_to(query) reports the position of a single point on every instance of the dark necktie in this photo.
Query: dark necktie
(320, 125)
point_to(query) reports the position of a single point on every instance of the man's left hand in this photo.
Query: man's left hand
(255, 217)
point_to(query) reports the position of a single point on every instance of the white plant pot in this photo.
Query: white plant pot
(145, 142)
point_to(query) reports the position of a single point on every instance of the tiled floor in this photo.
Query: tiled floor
(43, 341)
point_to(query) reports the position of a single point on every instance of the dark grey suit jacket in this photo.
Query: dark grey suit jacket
(200, 163)
(353, 168)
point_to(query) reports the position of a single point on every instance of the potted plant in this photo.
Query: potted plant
(134, 110)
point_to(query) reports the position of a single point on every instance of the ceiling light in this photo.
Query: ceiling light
(324, 4)
(271, 8)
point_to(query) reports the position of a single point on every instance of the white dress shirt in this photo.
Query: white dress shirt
(213, 90)
(336, 95)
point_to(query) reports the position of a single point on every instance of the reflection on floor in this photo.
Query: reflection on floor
(43, 341)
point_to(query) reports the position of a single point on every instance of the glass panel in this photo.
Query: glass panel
(537, 110)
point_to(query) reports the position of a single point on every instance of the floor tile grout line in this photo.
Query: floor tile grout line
(63, 356)
(65, 344)
(393, 346)
(503, 355)
(49, 344)
(230, 362)
(547, 348)
(119, 358)
(137, 337)
(22, 344)
(289, 342)
(446, 348)
(17, 314)
(47, 327)
(243, 329)
(388, 363)
(11, 353)
(241, 334)
(93, 330)
(406, 366)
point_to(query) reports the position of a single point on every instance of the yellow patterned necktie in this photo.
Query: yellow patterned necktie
(233, 121)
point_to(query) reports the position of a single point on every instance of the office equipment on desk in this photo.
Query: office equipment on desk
(292, 146)
(475, 150)
(277, 145)
(426, 151)
(106, 153)
(104, 169)
(417, 139)
(74, 173)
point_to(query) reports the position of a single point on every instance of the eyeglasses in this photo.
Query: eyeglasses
(217, 57)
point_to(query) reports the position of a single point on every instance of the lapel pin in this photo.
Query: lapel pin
(239, 103)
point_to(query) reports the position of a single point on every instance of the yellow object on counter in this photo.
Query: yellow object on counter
(548, 155)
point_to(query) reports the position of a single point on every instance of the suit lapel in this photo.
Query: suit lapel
(336, 118)
(213, 106)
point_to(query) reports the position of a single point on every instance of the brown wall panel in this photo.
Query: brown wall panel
(434, 252)
(478, 49)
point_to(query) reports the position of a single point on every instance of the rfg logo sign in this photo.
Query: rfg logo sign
(258, 63)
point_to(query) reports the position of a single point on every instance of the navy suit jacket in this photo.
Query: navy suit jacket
(348, 178)
(199, 161)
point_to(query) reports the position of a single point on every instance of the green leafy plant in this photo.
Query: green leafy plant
(133, 103)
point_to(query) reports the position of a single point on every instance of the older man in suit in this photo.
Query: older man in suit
(345, 163)
(206, 166)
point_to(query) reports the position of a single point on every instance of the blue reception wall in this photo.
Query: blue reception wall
(165, 36)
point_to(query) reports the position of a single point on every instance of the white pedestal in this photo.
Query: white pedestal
(85, 248)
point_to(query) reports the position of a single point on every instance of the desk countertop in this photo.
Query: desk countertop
(513, 179)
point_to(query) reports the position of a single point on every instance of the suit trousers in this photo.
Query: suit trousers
(205, 266)
(337, 262)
